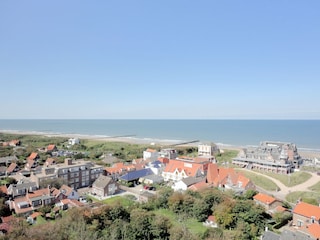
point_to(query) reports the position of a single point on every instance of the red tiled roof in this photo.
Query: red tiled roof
(307, 210)
(314, 230)
(7, 219)
(212, 218)
(4, 189)
(198, 186)
(50, 161)
(280, 209)
(119, 167)
(245, 181)
(190, 168)
(51, 147)
(263, 198)
(68, 190)
(164, 160)
(35, 215)
(11, 167)
(33, 156)
(151, 150)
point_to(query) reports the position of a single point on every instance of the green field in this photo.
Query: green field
(226, 156)
(292, 179)
(124, 201)
(260, 181)
(315, 188)
(311, 197)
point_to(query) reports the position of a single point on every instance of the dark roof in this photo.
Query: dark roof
(191, 180)
(8, 159)
(134, 175)
(289, 235)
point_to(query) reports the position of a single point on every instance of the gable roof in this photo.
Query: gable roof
(50, 161)
(33, 156)
(190, 168)
(198, 186)
(51, 147)
(314, 230)
(66, 190)
(11, 168)
(35, 215)
(307, 210)
(191, 180)
(151, 150)
(119, 168)
(263, 198)
(102, 181)
(4, 189)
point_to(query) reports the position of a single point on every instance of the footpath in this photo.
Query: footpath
(284, 190)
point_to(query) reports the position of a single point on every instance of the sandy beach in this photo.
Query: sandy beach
(305, 153)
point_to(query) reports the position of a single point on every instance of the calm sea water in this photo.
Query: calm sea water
(305, 133)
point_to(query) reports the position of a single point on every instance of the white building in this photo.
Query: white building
(207, 149)
(150, 154)
(73, 141)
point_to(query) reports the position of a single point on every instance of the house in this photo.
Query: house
(51, 148)
(228, 178)
(14, 143)
(134, 176)
(305, 214)
(105, 186)
(210, 149)
(150, 154)
(157, 167)
(184, 183)
(6, 224)
(168, 153)
(21, 189)
(33, 217)
(198, 186)
(3, 190)
(266, 201)
(31, 164)
(65, 204)
(73, 141)
(12, 168)
(33, 156)
(211, 222)
(151, 179)
(119, 169)
(69, 192)
(180, 168)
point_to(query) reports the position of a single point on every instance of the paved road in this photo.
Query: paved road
(284, 190)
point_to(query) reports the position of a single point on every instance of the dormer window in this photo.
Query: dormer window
(313, 219)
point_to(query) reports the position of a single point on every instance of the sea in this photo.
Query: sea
(304, 133)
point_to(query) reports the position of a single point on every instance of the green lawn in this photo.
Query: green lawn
(227, 156)
(124, 201)
(315, 188)
(260, 181)
(40, 220)
(291, 180)
(192, 224)
(304, 196)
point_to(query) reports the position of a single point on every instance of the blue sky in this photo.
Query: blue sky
(160, 59)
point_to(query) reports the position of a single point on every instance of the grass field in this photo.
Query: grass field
(124, 201)
(192, 224)
(260, 181)
(315, 188)
(227, 156)
(304, 196)
(291, 180)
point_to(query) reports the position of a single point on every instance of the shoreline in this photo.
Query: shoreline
(304, 152)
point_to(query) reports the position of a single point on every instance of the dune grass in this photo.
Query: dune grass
(123, 201)
(260, 181)
(292, 179)
(310, 197)
(315, 187)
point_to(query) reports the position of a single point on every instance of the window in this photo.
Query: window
(299, 223)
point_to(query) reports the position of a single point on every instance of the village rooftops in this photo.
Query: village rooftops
(307, 210)
(263, 198)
